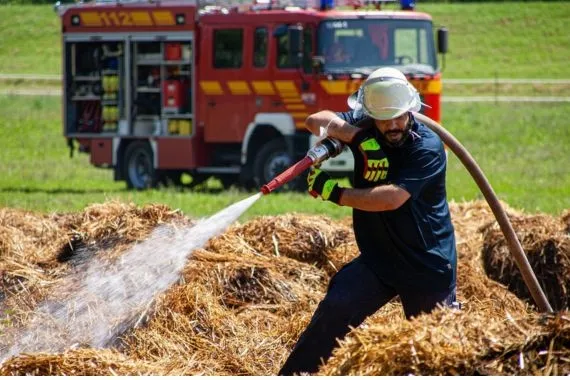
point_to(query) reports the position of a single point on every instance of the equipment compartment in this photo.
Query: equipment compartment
(162, 86)
(94, 75)
(128, 85)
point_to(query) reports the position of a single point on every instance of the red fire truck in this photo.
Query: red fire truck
(156, 90)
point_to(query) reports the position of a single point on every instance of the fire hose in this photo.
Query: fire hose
(330, 147)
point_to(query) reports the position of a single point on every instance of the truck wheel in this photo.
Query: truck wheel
(271, 160)
(138, 166)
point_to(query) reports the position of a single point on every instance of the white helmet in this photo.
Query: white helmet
(385, 94)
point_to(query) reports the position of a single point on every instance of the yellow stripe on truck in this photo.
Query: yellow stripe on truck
(211, 87)
(292, 100)
(434, 87)
(295, 107)
(263, 87)
(141, 18)
(286, 88)
(427, 86)
(340, 87)
(90, 19)
(347, 87)
(239, 87)
(163, 18)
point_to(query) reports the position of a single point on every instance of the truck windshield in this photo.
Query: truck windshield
(362, 45)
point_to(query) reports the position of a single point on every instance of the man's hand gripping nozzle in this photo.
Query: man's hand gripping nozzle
(322, 151)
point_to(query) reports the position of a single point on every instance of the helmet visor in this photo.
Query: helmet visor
(385, 99)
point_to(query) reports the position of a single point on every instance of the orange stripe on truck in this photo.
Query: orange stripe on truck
(211, 87)
(263, 87)
(90, 19)
(340, 87)
(141, 18)
(425, 87)
(239, 87)
(163, 18)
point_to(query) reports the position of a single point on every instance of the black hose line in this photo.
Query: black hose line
(500, 215)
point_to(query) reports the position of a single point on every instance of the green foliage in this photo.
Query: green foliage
(522, 148)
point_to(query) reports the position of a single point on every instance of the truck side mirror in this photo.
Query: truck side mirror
(442, 40)
(295, 40)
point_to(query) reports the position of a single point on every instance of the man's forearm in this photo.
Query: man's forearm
(337, 127)
(379, 198)
(319, 119)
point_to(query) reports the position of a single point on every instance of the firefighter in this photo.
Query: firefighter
(401, 218)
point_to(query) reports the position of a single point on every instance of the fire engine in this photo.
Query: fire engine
(163, 90)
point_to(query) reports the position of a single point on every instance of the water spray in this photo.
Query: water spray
(330, 147)
(102, 299)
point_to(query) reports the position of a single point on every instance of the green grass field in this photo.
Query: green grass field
(506, 39)
(522, 148)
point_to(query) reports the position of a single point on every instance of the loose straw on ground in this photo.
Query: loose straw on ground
(242, 301)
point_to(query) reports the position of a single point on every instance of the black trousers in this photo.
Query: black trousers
(354, 293)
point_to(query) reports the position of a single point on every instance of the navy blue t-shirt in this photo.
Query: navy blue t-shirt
(412, 247)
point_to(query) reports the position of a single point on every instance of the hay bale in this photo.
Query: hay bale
(545, 351)
(192, 321)
(242, 302)
(26, 240)
(547, 246)
(246, 285)
(449, 342)
(31, 269)
(102, 227)
(235, 314)
(474, 289)
(565, 217)
(305, 238)
(84, 362)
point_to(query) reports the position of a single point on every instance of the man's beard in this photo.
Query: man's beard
(404, 134)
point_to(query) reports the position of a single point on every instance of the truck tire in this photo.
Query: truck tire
(272, 159)
(138, 166)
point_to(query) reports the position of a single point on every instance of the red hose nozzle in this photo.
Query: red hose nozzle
(327, 148)
(287, 175)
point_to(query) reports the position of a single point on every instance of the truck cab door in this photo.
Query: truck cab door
(224, 95)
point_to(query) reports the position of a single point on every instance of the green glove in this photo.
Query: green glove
(375, 161)
(320, 183)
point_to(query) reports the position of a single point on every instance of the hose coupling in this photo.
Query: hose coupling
(325, 149)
